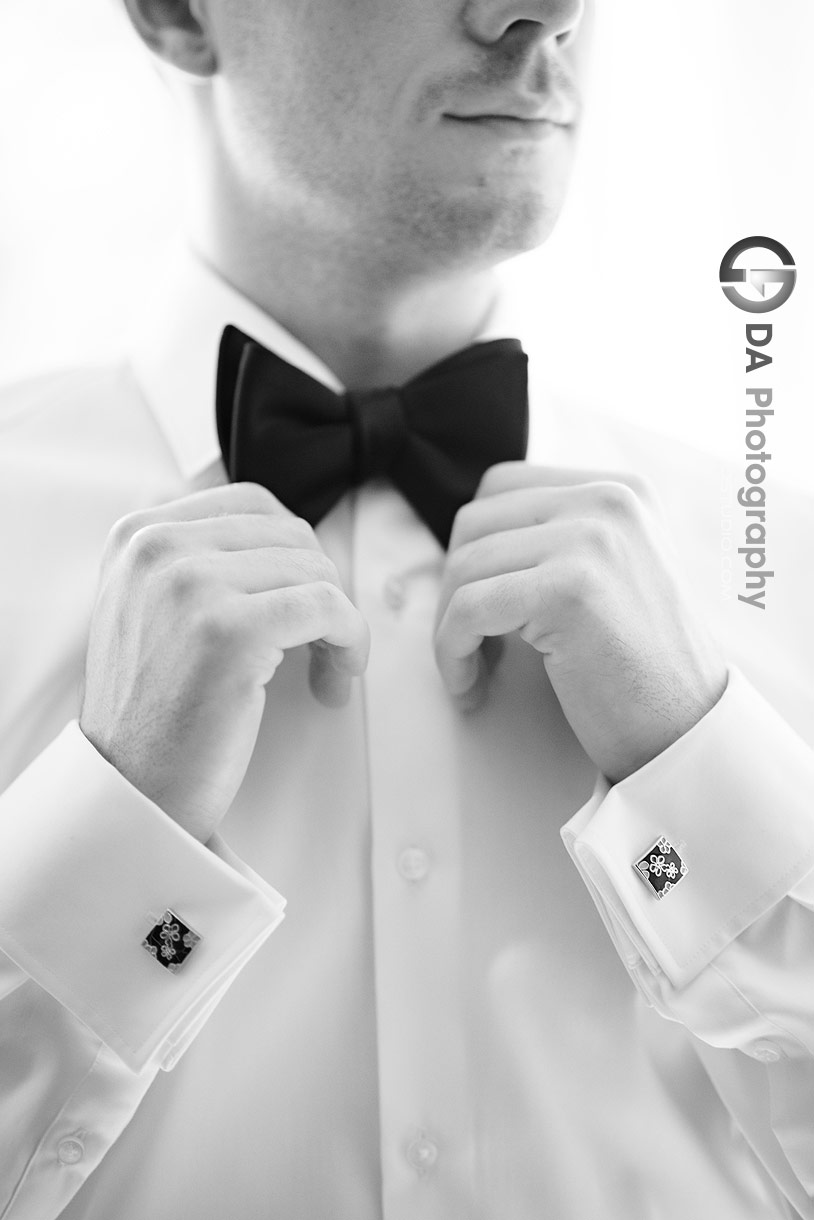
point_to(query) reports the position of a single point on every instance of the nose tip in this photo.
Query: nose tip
(488, 21)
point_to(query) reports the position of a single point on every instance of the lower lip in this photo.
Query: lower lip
(508, 128)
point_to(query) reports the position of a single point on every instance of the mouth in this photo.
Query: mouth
(514, 126)
(520, 115)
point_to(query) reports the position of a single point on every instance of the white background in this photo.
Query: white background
(698, 132)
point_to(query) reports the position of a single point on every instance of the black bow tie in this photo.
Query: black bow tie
(433, 438)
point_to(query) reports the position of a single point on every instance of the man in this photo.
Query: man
(442, 1027)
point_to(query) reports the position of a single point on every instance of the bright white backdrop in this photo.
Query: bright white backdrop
(698, 132)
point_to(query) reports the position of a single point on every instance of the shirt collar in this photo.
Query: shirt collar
(174, 353)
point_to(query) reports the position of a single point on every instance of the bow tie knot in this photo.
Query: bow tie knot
(379, 431)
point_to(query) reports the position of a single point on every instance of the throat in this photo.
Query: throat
(370, 331)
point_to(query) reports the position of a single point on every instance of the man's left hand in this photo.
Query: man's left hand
(576, 561)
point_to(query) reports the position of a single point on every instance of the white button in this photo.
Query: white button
(70, 1151)
(414, 864)
(766, 1052)
(422, 1154)
(394, 593)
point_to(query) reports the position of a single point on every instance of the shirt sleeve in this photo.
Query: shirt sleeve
(88, 866)
(729, 950)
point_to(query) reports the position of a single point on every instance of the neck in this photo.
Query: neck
(371, 322)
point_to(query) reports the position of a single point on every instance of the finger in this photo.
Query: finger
(238, 532)
(311, 613)
(507, 510)
(256, 571)
(485, 661)
(491, 607)
(469, 685)
(330, 684)
(181, 549)
(503, 511)
(509, 550)
(231, 499)
(228, 499)
(511, 476)
(269, 568)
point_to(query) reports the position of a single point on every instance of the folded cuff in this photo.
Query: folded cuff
(734, 795)
(88, 865)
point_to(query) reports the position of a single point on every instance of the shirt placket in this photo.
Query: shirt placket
(425, 1120)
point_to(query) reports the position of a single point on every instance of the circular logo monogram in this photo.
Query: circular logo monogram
(758, 277)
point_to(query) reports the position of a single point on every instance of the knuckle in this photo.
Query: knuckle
(643, 488)
(616, 499)
(254, 498)
(301, 532)
(326, 597)
(465, 523)
(149, 545)
(498, 478)
(488, 482)
(122, 531)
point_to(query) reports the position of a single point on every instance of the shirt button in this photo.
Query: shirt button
(414, 864)
(766, 1052)
(395, 593)
(422, 1154)
(70, 1151)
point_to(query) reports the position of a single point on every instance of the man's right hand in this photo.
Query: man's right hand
(198, 601)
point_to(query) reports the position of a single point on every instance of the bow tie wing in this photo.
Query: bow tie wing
(464, 415)
(281, 428)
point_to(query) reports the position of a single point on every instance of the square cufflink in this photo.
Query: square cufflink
(661, 867)
(171, 941)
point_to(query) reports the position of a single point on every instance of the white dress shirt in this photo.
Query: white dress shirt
(474, 1009)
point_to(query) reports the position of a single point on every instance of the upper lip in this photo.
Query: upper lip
(528, 110)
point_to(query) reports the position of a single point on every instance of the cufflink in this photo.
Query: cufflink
(171, 941)
(661, 867)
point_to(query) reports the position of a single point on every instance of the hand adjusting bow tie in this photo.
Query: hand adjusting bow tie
(433, 438)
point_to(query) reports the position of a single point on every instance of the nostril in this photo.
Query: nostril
(566, 37)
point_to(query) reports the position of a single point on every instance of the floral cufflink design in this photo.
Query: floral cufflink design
(661, 868)
(171, 941)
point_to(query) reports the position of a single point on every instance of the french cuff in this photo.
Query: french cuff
(733, 799)
(88, 867)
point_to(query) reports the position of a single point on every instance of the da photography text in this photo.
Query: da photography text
(746, 288)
